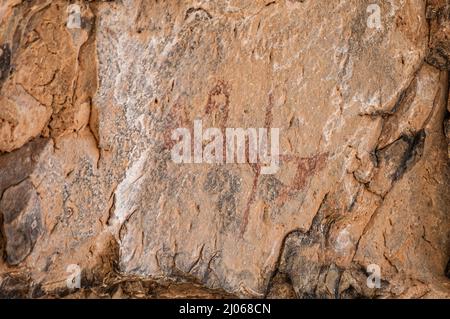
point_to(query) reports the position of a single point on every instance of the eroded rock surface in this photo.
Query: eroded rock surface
(86, 121)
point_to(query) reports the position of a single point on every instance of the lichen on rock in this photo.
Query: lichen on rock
(90, 95)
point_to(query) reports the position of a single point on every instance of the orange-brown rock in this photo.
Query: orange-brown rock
(90, 96)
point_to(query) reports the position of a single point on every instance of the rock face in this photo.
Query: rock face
(92, 93)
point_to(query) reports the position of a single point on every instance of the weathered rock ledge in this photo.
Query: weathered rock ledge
(89, 98)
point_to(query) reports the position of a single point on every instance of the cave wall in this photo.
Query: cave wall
(87, 113)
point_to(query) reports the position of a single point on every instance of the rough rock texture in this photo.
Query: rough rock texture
(86, 176)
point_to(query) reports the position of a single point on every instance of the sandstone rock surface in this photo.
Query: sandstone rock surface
(86, 174)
